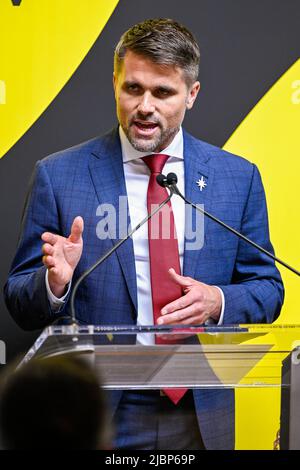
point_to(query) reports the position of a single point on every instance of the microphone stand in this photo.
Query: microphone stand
(111, 251)
(171, 182)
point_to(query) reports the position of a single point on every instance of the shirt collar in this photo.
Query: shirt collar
(129, 153)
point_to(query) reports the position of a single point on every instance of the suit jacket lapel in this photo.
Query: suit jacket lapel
(196, 167)
(107, 174)
(106, 169)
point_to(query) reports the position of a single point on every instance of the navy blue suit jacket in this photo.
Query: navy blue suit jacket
(75, 181)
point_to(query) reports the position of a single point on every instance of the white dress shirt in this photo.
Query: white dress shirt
(137, 176)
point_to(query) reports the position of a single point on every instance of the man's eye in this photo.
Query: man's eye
(133, 88)
(162, 92)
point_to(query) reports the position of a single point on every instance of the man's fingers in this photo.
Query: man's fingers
(181, 280)
(53, 271)
(48, 261)
(47, 249)
(184, 316)
(177, 304)
(76, 230)
(49, 237)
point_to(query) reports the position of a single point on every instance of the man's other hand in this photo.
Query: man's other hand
(199, 303)
(61, 256)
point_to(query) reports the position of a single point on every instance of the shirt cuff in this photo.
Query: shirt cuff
(55, 302)
(210, 321)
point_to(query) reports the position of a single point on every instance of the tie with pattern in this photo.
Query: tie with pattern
(163, 251)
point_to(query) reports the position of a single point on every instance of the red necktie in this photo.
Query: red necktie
(163, 251)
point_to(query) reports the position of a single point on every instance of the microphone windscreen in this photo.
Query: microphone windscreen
(171, 178)
(162, 180)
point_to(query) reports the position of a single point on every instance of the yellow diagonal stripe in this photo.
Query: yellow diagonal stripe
(42, 42)
(2, 92)
(269, 137)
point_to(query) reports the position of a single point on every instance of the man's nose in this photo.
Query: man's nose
(146, 105)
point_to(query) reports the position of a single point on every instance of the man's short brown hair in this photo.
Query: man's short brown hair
(165, 42)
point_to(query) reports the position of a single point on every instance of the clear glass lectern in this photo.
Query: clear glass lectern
(127, 357)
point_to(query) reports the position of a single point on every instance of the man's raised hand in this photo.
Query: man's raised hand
(61, 256)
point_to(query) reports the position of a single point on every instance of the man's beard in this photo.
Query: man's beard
(156, 144)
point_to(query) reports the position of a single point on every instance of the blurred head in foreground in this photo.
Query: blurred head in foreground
(52, 403)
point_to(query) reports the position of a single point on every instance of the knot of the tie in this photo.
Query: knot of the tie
(155, 162)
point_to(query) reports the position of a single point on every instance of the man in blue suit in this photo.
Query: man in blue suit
(224, 282)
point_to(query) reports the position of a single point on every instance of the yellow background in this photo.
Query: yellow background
(42, 44)
(269, 137)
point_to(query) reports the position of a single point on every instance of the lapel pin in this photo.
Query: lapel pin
(201, 183)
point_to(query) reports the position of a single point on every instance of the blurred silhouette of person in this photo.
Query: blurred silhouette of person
(52, 403)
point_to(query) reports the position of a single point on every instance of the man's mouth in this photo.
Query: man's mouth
(145, 128)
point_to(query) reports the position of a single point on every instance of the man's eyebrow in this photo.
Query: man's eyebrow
(131, 82)
(167, 88)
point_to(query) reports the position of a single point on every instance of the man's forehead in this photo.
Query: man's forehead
(136, 67)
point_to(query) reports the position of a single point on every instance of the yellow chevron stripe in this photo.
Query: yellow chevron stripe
(269, 137)
(42, 43)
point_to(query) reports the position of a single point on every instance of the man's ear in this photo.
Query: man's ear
(192, 95)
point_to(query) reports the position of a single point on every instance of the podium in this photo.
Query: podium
(127, 358)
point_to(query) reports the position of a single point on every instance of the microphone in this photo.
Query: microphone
(170, 181)
(162, 181)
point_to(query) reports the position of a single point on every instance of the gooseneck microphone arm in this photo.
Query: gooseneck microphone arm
(115, 247)
(171, 182)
